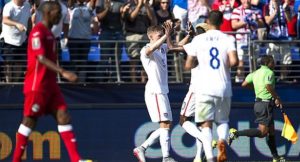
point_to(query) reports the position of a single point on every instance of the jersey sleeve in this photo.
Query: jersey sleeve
(249, 78)
(189, 48)
(269, 78)
(6, 11)
(231, 43)
(36, 43)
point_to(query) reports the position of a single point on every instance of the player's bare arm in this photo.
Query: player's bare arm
(190, 62)
(233, 59)
(274, 95)
(72, 77)
(245, 84)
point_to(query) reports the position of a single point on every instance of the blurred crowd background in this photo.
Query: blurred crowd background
(101, 39)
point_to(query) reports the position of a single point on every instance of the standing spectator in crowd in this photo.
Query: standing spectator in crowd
(62, 26)
(197, 11)
(110, 16)
(80, 32)
(277, 15)
(137, 19)
(245, 19)
(154, 60)
(42, 93)
(180, 11)
(213, 89)
(226, 7)
(263, 82)
(15, 19)
(163, 13)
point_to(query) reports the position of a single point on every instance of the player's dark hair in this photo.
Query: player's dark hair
(266, 59)
(155, 28)
(48, 6)
(215, 17)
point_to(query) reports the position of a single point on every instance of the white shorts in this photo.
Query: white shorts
(212, 108)
(188, 105)
(158, 106)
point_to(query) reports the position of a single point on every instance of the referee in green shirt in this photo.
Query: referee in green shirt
(263, 82)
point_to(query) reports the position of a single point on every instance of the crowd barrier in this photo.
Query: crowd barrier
(113, 63)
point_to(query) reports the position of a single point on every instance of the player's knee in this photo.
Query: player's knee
(263, 133)
(182, 119)
(29, 122)
(64, 119)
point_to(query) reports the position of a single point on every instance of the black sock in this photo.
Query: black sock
(272, 145)
(253, 132)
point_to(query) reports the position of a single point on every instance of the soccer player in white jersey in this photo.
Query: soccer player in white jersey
(154, 60)
(216, 54)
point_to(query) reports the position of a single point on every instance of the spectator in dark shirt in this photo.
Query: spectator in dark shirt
(138, 18)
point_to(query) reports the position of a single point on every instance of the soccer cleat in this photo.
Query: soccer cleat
(232, 135)
(279, 159)
(214, 144)
(197, 160)
(168, 159)
(222, 157)
(85, 160)
(139, 153)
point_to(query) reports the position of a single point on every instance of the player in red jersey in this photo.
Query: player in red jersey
(42, 93)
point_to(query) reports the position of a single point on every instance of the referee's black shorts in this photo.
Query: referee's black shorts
(263, 110)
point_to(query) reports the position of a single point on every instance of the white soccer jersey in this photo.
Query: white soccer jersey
(156, 68)
(20, 14)
(213, 74)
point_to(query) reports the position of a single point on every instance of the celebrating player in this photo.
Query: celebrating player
(216, 53)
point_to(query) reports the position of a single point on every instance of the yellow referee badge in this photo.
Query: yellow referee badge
(36, 43)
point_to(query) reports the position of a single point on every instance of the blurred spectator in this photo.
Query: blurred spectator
(138, 18)
(80, 32)
(180, 11)
(110, 16)
(62, 26)
(163, 13)
(16, 15)
(197, 11)
(277, 15)
(245, 19)
(226, 7)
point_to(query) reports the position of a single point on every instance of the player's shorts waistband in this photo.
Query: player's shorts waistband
(263, 100)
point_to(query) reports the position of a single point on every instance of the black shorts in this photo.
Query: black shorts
(13, 53)
(263, 111)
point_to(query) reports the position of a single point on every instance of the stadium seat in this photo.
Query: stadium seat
(95, 52)
(65, 55)
(295, 53)
(124, 55)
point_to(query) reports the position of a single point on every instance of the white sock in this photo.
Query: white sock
(192, 129)
(222, 130)
(24, 130)
(64, 128)
(152, 138)
(207, 135)
(165, 141)
(199, 149)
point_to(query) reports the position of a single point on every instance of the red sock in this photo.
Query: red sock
(71, 145)
(20, 147)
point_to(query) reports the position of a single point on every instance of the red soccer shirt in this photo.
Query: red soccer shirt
(38, 77)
